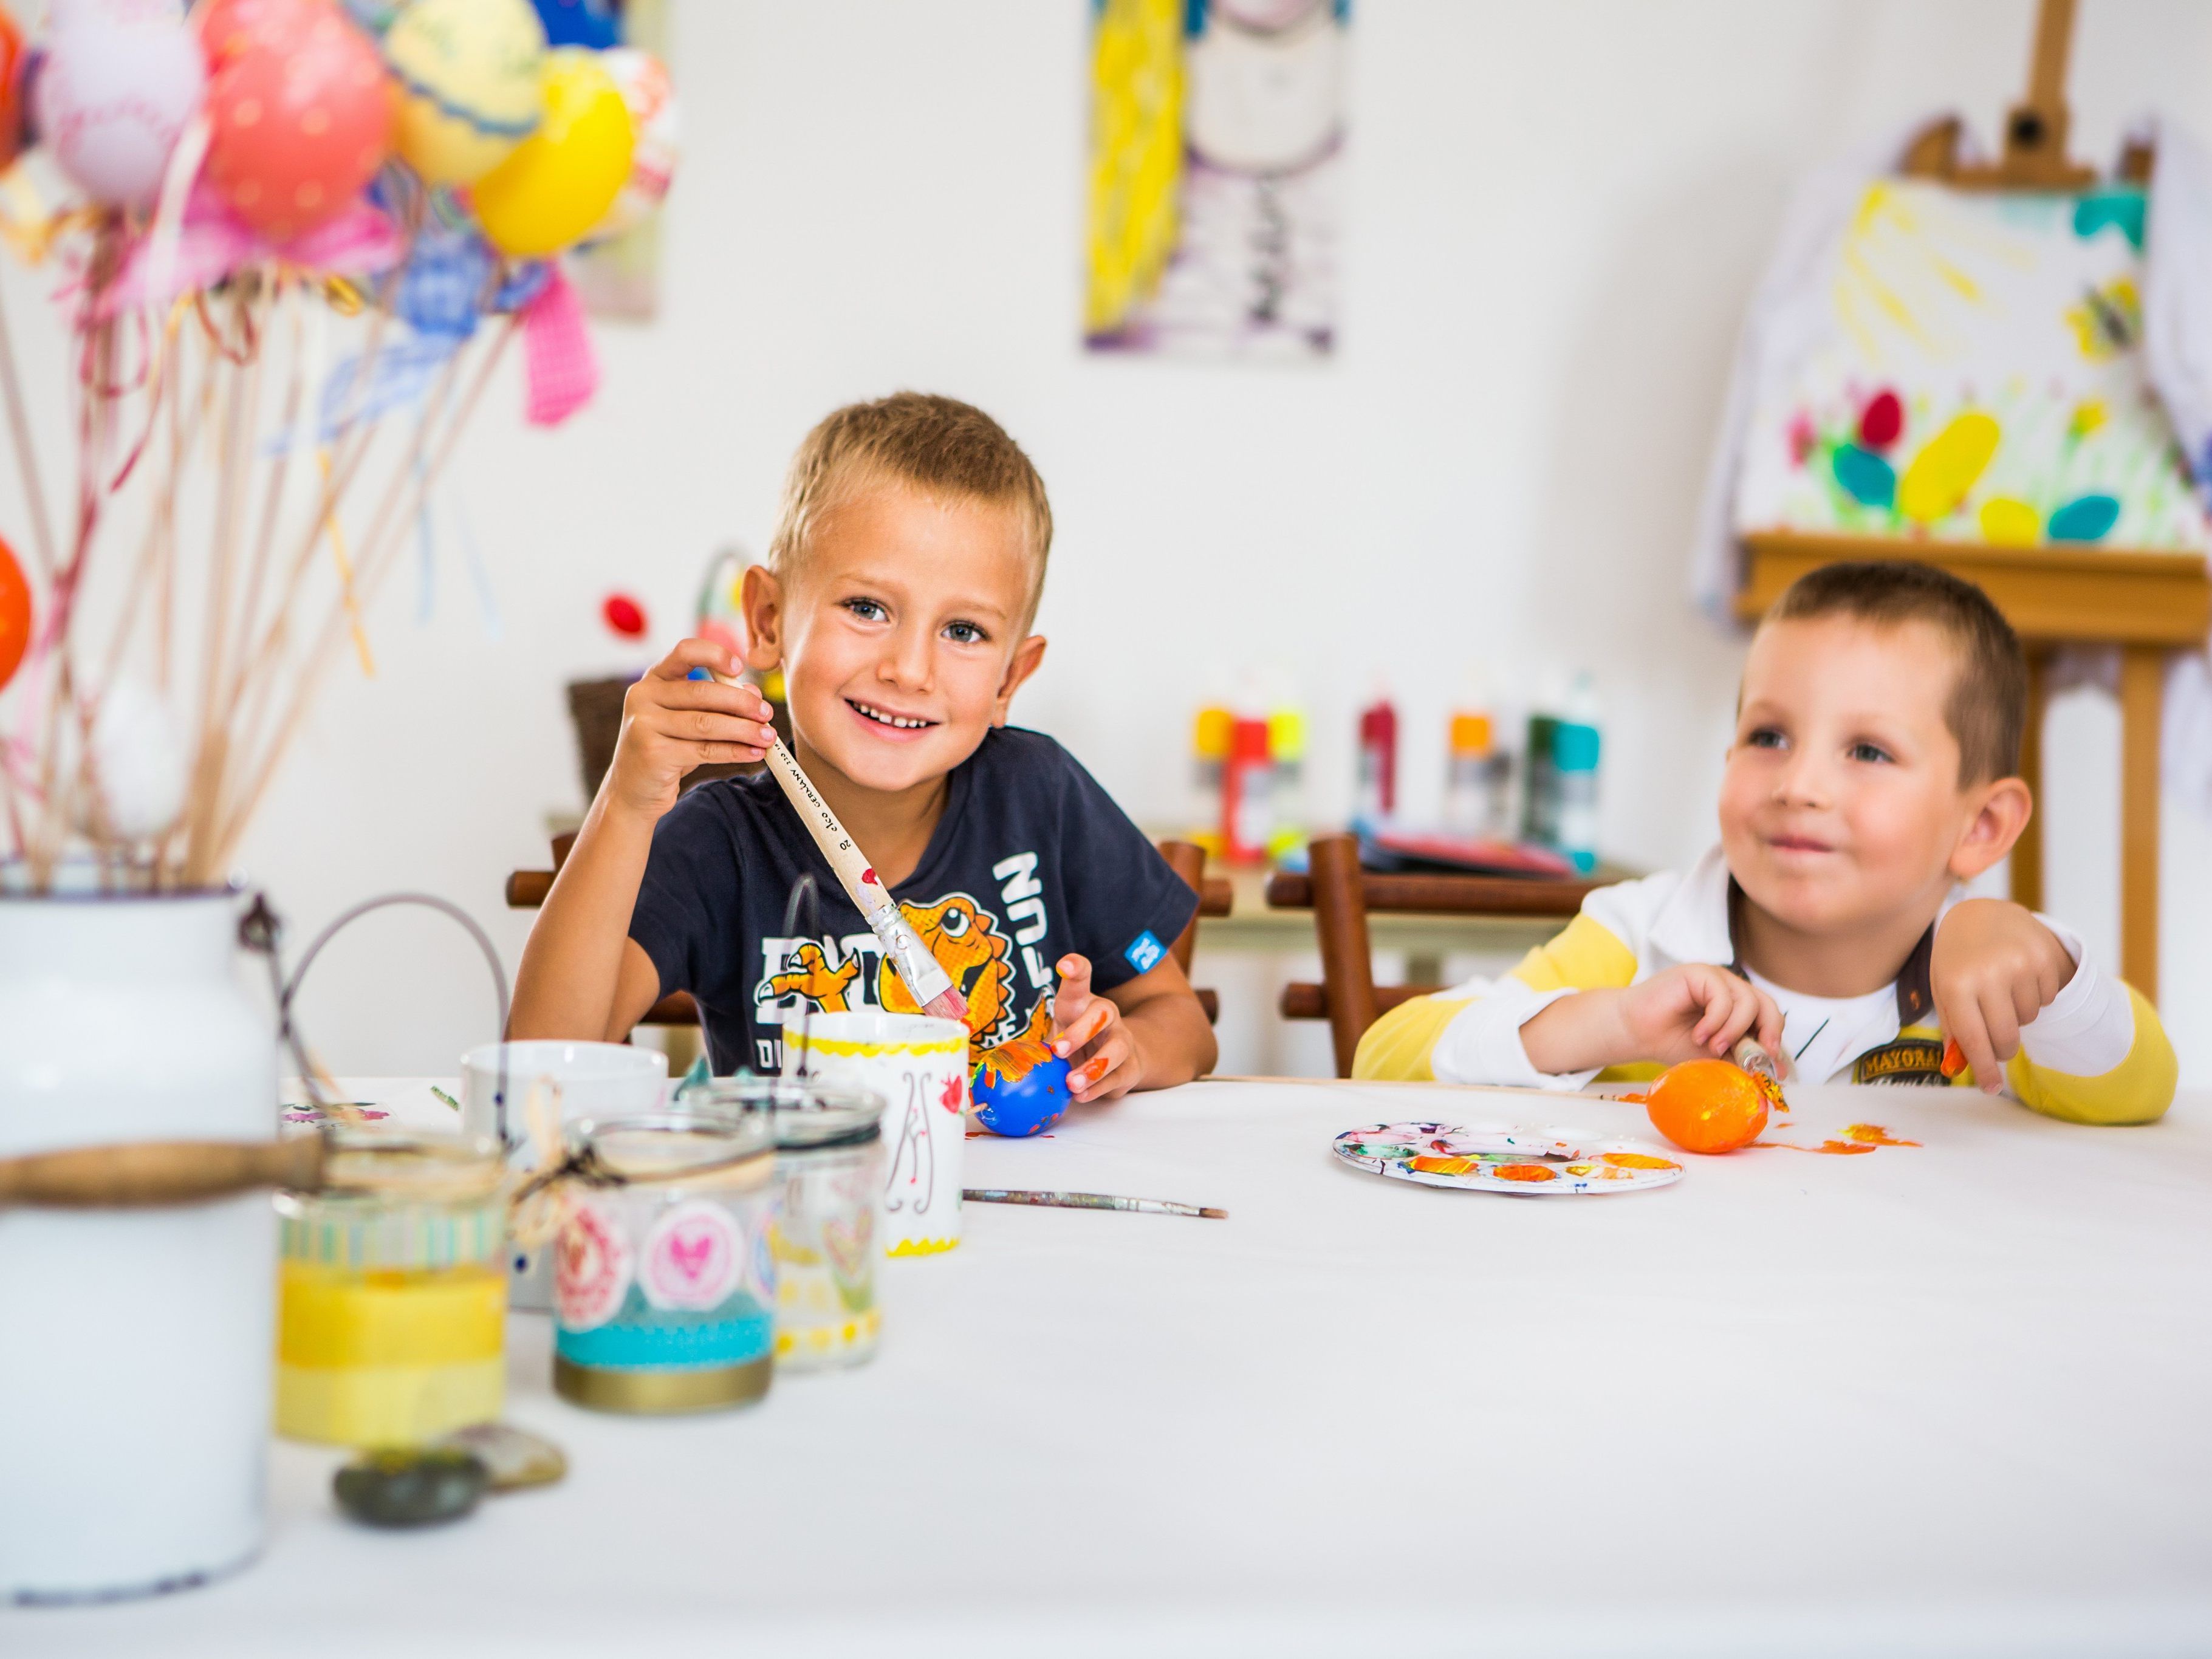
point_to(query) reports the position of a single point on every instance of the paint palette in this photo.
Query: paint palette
(1526, 1162)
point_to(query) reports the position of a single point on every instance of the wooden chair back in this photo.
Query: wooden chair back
(526, 890)
(1342, 895)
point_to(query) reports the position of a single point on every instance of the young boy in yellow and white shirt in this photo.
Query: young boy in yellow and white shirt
(1872, 774)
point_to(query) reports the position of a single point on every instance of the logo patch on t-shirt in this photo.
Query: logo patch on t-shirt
(1908, 1060)
(1144, 951)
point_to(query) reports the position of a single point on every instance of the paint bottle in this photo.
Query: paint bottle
(1478, 771)
(1375, 798)
(1286, 752)
(1575, 748)
(1209, 748)
(391, 1298)
(1248, 811)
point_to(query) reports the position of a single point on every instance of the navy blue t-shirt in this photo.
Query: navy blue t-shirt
(1032, 860)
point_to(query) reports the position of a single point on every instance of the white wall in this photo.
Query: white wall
(1555, 212)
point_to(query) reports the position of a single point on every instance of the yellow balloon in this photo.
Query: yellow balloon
(2009, 523)
(562, 179)
(1941, 474)
(469, 74)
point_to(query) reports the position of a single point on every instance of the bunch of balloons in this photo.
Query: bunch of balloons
(298, 107)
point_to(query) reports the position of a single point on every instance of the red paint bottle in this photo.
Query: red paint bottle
(1248, 807)
(1376, 800)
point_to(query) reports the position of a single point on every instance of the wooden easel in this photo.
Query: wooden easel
(2147, 602)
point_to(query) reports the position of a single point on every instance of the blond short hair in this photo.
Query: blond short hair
(1987, 710)
(939, 445)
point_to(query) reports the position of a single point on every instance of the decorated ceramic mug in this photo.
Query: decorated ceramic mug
(919, 1067)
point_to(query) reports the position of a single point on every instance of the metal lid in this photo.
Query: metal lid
(810, 1116)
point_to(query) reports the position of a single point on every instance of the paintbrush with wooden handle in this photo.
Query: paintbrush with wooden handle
(926, 980)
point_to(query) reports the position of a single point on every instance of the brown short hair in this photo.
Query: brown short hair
(1988, 708)
(940, 444)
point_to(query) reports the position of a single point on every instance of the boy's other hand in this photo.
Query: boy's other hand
(1089, 1033)
(1696, 1012)
(672, 723)
(1994, 968)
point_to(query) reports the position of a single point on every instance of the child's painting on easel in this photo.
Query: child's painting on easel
(1979, 376)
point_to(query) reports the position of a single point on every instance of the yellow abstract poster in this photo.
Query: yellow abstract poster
(1217, 142)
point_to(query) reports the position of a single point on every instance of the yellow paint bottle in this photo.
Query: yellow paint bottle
(392, 1306)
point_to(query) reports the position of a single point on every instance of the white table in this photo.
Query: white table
(1945, 1399)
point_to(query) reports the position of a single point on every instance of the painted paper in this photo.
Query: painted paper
(1973, 370)
(1216, 146)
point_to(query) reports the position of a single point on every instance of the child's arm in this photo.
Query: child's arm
(1692, 1011)
(1145, 1033)
(582, 975)
(2025, 1007)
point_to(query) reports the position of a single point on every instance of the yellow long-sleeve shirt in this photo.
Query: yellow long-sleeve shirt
(2096, 1055)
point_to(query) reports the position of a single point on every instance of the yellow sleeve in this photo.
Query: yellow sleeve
(2136, 1090)
(1585, 955)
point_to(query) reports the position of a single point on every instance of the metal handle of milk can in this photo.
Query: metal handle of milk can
(261, 931)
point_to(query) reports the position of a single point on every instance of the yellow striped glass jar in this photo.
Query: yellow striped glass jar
(392, 1305)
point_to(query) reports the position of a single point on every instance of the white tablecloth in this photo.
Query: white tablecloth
(1951, 1399)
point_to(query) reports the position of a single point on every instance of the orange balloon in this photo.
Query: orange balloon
(14, 614)
(1707, 1106)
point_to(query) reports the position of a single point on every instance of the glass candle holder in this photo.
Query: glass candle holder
(663, 1274)
(391, 1298)
(829, 1163)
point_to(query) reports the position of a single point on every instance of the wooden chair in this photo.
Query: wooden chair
(1340, 895)
(526, 890)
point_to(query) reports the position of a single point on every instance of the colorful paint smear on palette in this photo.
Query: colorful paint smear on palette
(1547, 1162)
(1978, 376)
(345, 1111)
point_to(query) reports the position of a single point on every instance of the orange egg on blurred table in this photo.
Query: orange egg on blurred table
(1707, 1106)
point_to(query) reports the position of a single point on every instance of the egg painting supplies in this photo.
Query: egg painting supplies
(391, 1298)
(1091, 1202)
(1711, 1105)
(664, 1277)
(918, 1065)
(930, 987)
(1526, 1162)
(1019, 1088)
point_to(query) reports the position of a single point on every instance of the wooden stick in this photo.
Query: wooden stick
(27, 459)
(369, 569)
(146, 1175)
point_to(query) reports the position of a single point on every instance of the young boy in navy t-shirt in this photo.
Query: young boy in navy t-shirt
(904, 574)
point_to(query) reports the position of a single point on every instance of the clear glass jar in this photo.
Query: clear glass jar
(664, 1272)
(392, 1292)
(829, 1162)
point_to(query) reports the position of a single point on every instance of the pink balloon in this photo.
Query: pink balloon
(121, 79)
(299, 110)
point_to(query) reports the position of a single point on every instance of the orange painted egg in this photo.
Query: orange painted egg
(1707, 1106)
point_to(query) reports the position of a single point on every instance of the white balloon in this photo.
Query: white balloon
(138, 761)
(120, 80)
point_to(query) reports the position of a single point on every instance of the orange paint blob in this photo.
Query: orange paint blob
(1450, 1166)
(1707, 1106)
(1523, 1172)
(1872, 1135)
(1639, 1161)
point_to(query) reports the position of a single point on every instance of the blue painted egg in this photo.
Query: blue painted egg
(1019, 1088)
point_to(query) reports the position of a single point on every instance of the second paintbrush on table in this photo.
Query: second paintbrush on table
(1090, 1202)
